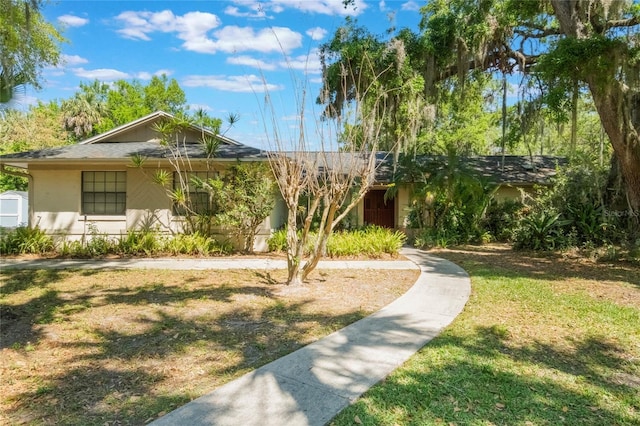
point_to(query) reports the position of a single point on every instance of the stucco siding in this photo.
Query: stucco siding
(510, 192)
(403, 203)
(57, 196)
(148, 205)
(148, 134)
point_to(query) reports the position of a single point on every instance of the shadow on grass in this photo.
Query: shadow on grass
(480, 379)
(20, 322)
(549, 266)
(108, 381)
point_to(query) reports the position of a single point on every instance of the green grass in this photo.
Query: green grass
(527, 350)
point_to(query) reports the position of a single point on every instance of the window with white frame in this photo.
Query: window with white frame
(104, 193)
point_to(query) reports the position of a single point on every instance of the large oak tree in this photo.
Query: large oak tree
(563, 44)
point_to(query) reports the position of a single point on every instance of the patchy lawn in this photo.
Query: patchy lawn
(543, 340)
(124, 347)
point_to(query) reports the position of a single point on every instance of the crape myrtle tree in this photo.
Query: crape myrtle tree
(308, 165)
(564, 44)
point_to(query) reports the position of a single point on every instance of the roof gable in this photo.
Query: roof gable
(141, 130)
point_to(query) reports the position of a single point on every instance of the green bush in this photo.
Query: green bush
(140, 242)
(277, 242)
(372, 241)
(99, 244)
(542, 230)
(25, 240)
(501, 219)
(572, 213)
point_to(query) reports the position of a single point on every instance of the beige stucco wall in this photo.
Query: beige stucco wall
(148, 205)
(403, 203)
(55, 194)
(511, 192)
(147, 133)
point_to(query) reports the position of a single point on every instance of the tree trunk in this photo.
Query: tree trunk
(616, 104)
(321, 246)
(574, 118)
(615, 114)
(294, 257)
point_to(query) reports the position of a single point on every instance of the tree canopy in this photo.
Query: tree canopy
(27, 44)
(556, 47)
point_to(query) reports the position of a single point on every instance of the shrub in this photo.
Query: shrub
(570, 214)
(542, 230)
(25, 240)
(501, 219)
(372, 241)
(140, 242)
(277, 242)
(99, 244)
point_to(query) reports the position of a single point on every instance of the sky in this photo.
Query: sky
(226, 55)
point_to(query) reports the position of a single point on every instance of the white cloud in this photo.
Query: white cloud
(102, 74)
(382, 5)
(411, 6)
(256, 11)
(196, 107)
(191, 27)
(72, 60)
(308, 63)
(145, 75)
(72, 20)
(316, 33)
(238, 83)
(242, 39)
(194, 29)
(325, 7)
(251, 62)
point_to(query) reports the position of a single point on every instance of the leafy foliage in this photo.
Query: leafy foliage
(449, 201)
(25, 240)
(573, 213)
(501, 219)
(28, 44)
(247, 197)
(372, 241)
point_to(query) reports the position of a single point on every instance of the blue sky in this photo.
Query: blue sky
(222, 53)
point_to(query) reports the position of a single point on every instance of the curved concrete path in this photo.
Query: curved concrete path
(192, 264)
(313, 384)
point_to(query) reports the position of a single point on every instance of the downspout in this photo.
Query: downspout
(31, 188)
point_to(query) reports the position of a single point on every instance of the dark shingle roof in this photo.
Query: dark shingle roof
(518, 170)
(125, 150)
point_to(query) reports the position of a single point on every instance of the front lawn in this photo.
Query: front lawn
(543, 340)
(124, 347)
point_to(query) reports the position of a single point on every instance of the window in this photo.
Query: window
(104, 193)
(198, 198)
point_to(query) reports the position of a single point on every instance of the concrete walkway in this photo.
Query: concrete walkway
(193, 264)
(313, 384)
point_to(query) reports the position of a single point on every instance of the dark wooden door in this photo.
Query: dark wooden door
(376, 211)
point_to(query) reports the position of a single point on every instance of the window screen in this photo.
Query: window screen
(198, 198)
(104, 193)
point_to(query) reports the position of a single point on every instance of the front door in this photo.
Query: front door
(377, 211)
